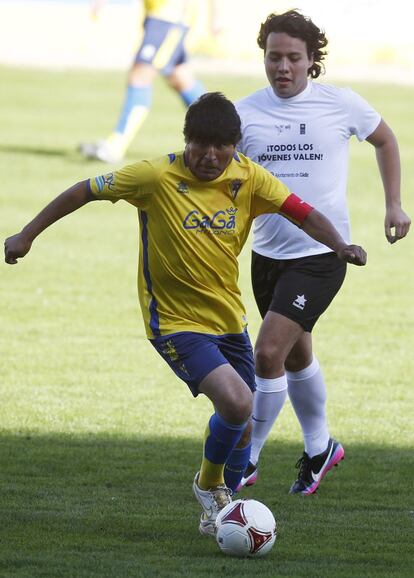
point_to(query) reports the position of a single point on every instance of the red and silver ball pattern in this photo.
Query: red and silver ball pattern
(245, 528)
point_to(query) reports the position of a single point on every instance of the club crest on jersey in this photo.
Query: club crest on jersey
(220, 223)
(182, 187)
(235, 187)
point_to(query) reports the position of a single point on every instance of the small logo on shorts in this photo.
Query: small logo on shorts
(300, 302)
(169, 350)
(148, 51)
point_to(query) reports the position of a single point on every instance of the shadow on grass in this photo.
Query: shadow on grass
(35, 150)
(71, 155)
(98, 506)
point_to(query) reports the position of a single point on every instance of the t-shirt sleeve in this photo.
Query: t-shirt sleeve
(272, 196)
(241, 144)
(363, 119)
(134, 183)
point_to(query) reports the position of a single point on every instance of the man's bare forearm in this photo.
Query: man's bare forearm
(64, 204)
(317, 226)
(321, 229)
(17, 246)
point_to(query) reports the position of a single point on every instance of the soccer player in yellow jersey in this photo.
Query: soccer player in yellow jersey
(195, 209)
(163, 51)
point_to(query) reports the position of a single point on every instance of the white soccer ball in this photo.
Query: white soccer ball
(245, 528)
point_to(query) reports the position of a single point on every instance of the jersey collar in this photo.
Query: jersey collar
(293, 99)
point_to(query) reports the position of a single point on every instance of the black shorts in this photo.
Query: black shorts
(300, 289)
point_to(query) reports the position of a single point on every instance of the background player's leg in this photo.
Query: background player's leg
(185, 84)
(276, 338)
(307, 392)
(135, 108)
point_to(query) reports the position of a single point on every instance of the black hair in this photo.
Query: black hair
(295, 24)
(212, 120)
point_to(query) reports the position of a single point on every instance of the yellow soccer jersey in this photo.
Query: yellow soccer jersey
(177, 11)
(191, 233)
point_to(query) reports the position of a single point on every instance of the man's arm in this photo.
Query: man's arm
(388, 159)
(70, 200)
(321, 229)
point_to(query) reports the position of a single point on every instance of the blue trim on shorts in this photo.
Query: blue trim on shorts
(192, 355)
(154, 319)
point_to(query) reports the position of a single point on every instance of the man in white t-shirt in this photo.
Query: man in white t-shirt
(300, 132)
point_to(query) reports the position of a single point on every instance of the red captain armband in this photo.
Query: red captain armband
(295, 209)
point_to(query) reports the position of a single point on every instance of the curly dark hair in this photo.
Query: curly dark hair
(295, 24)
(212, 119)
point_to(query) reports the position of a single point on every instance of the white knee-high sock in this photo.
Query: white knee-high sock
(268, 400)
(307, 392)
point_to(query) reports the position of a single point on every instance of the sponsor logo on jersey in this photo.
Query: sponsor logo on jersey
(300, 302)
(282, 128)
(221, 222)
(235, 187)
(182, 187)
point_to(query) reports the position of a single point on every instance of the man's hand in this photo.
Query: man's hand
(396, 219)
(15, 247)
(353, 254)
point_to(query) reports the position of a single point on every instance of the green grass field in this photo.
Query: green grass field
(99, 442)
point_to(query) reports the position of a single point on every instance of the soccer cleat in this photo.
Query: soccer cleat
(212, 501)
(313, 470)
(102, 150)
(249, 478)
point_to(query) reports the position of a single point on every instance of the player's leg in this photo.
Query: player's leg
(303, 288)
(307, 393)
(306, 384)
(277, 336)
(232, 400)
(238, 461)
(135, 108)
(238, 351)
(182, 80)
(197, 360)
(160, 47)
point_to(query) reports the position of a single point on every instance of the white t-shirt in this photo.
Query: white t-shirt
(303, 141)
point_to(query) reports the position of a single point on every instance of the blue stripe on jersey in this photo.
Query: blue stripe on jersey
(236, 157)
(100, 183)
(154, 319)
(171, 156)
